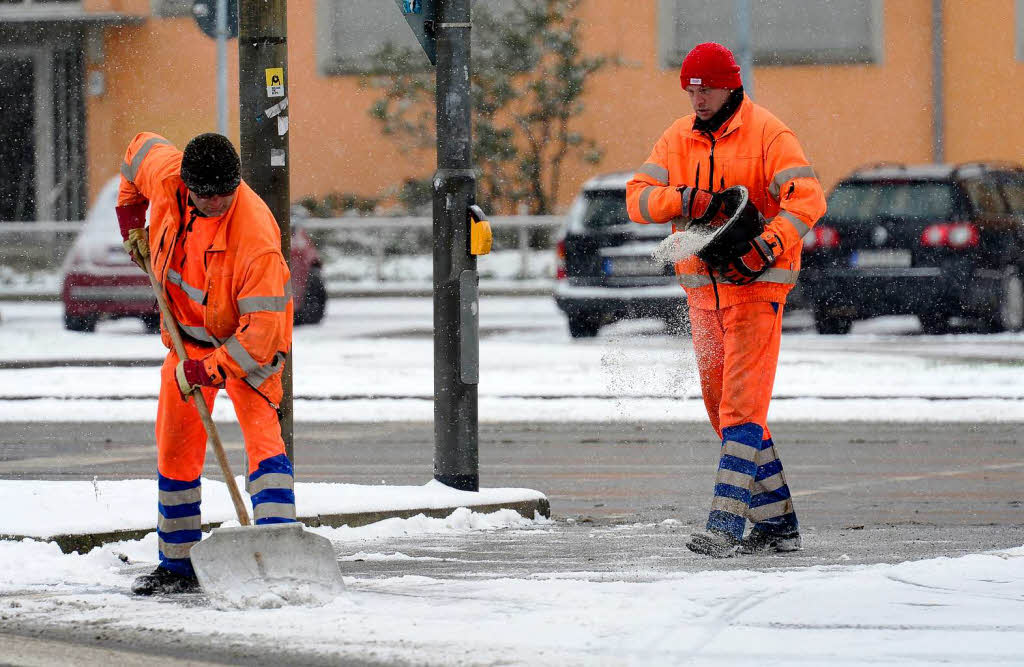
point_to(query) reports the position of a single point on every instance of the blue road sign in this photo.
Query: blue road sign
(420, 15)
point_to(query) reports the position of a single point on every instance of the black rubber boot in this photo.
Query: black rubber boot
(164, 582)
(713, 543)
(761, 541)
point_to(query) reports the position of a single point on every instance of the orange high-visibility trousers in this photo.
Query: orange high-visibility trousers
(181, 452)
(180, 436)
(737, 351)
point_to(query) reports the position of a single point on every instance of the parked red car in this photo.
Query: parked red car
(101, 282)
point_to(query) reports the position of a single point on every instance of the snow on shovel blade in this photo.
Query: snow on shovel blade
(267, 566)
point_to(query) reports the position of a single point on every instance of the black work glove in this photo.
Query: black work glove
(750, 259)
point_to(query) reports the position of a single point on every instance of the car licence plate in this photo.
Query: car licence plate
(872, 259)
(632, 266)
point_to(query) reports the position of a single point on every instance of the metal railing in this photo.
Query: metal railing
(40, 247)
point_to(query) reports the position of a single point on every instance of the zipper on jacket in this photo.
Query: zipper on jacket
(711, 163)
(714, 286)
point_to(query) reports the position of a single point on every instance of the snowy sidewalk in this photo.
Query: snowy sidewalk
(81, 515)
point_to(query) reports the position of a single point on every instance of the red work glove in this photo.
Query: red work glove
(695, 202)
(132, 221)
(752, 259)
(191, 375)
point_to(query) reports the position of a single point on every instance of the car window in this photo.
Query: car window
(985, 197)
(865, 201)
(603, 208)
(1013, 190)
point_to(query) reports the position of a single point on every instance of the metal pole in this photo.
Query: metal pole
(938, 91)
(745, 46)
(222, 66)
(263, 114)
(456, 327)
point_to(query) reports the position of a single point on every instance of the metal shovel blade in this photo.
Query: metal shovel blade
(267, 566)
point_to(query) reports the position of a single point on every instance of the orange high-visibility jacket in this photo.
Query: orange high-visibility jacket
(754, 149)
(247, 298)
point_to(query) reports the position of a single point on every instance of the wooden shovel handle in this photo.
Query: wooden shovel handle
(200, 400)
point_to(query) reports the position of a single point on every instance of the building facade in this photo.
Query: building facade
(860, 81)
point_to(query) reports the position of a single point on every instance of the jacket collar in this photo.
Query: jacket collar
(732, 124)
(220, 239)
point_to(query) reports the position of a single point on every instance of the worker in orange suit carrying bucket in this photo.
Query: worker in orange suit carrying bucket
(213, 252)
(735, 171)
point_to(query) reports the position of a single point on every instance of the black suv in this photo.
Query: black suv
(936, 241)
(605, 271)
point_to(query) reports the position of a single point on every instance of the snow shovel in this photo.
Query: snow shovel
(263, 566)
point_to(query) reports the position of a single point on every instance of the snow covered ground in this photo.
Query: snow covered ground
(371, 360)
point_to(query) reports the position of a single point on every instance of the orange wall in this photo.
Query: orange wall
(984, 112)
(160, 76)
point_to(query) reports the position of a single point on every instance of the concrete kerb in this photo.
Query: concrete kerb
(85, 542)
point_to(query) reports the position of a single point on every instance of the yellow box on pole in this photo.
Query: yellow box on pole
(480, 236)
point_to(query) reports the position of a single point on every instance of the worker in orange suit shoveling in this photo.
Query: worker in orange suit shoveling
(212, 250)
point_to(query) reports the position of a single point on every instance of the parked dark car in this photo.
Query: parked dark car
(604, 269)
(935, 241)
(101, 282)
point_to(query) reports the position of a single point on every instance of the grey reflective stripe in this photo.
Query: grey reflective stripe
(799, 225)
(168, 498)
(730, 505)
(655, 171)
(200, 334)
(739, 450)
(784, 276)
(130, 171)
(785, 176)
(694, 280)
(770, 511)
(255, 374)
(172, 550)
(733, 478)
(644, 210)
(273, 304)
(165, 525)
(773, 483)
(273, 510)
(191, 292)
(255, 304)
(271, 480)
(259, 376)
(765, 456)
(241, 355)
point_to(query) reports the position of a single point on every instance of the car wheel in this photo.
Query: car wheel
(151, 321)
(829, 324)
(85, 323)
(314, 301)
(1008, 314)
(934, 324)
(584, 325)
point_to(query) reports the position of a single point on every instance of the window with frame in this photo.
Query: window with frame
(351, 32)
(171, 8)
(1019, 29)
(985, 197)
(1012, 184)
(783, 32)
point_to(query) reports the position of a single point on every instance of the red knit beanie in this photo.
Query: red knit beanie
(711, 65)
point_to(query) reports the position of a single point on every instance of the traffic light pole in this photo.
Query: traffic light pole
(456, 325)
(263, 114)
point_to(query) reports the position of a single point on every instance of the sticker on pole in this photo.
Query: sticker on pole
(275, 82)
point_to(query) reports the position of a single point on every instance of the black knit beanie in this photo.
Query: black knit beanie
(210, 165)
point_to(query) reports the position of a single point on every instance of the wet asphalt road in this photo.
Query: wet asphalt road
(623, 496)
(859, 488)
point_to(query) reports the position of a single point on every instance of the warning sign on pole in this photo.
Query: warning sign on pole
(275, 82)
